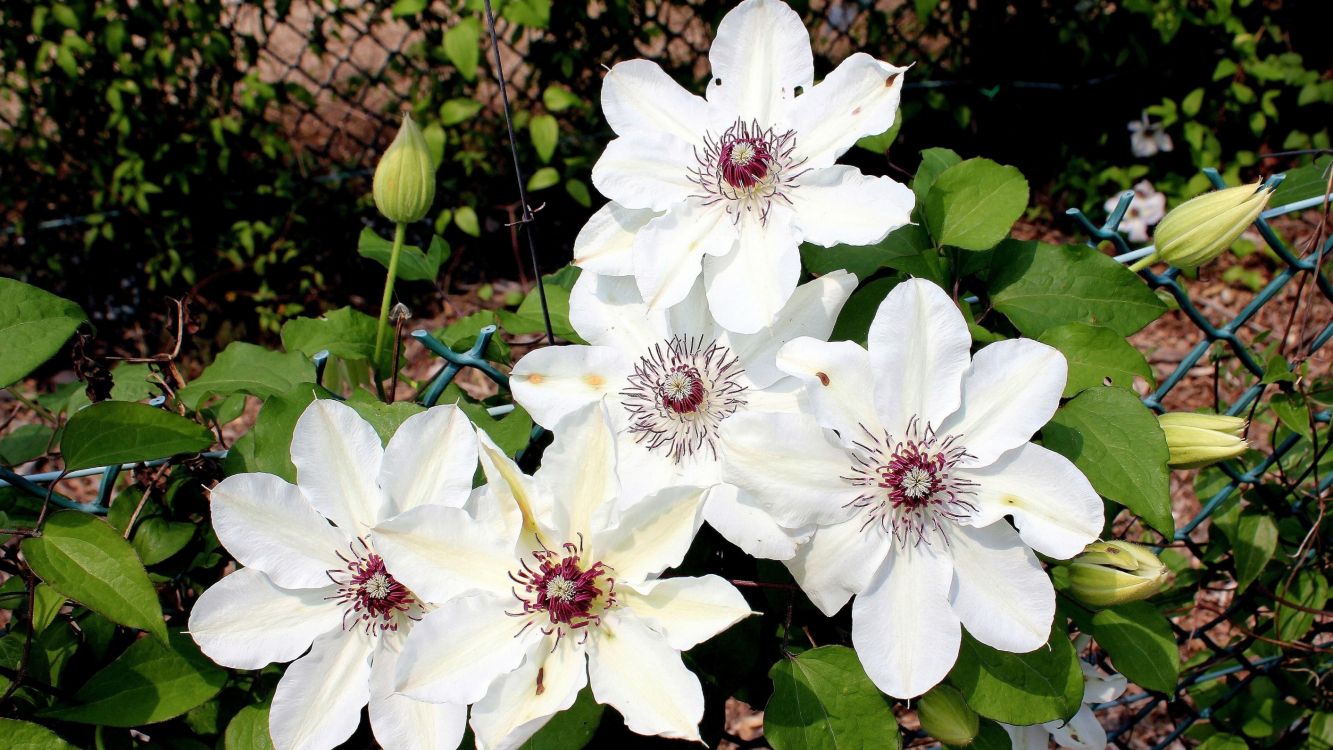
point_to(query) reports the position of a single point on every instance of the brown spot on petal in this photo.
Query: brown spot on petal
(856, 111)
(823, 379)
(594, 381)
(892, 77)
(541, 673)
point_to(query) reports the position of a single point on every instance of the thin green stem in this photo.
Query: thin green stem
(1143, 262)
(399, 233)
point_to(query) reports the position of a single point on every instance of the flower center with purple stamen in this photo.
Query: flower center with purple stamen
(569, 595)
(910, 487)
(680, 392)
(747, 167)
(370, 593)
(744, 161)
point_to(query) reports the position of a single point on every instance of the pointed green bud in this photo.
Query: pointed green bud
(1203, 228)
(1197, 440)
(404, 186)
(1109, 573)
(946, 716)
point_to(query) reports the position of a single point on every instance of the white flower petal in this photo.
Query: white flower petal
(1011, 390)
(430, 460)
(748, 287)
(580, 470)
(609, 311)
(839, 205)
(1000, 591)
(645, 170)
(401, 723)
(838, 383)
(839, 562)
(1099, 687)
(245, 622)
(904, 631)
(512, 500)
(522, 701)
(652, 535)
(337, 456)
(440, 552)
(811, 311)
(1033, 737)
(760, 56)
(1053, 505)
(638, 96)
(605, 244)
(743, 523)
(687, 611)
(266, 523)
(859, 98)
(644, 472)
(555, 381)
(669, 252)
(919, 347)
(634, 669)
(1083, 732)
(458, 650)
(318, 701)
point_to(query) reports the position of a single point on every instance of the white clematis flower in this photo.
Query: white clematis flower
(729, 186)
(908, 467)
(1083, 731)
(313, 581)
(671, 378)
(1146, 209)
(1147, 138)
(550, 583)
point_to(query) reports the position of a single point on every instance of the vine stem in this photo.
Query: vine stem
(399, 234)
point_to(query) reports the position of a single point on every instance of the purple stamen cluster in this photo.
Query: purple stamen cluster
(748, 167)
(369, 592)
(570, 595)
(680, 392)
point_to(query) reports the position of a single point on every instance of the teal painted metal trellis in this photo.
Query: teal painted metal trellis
(1232, 662)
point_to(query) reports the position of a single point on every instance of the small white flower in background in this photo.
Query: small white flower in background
(671, 378)
(1147, 138)
(1146, 209)
(549, 583)
(730, 186)
(313, 580)
(913, 457)
(1083, 731)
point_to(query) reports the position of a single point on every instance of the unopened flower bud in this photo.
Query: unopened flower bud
(1197, 440)
(1109, 573)
(404, 186)
(946, 716)
(1203, 228)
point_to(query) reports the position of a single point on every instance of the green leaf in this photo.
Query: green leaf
(462, 46)
(853, 322)
(24, 444)
(543, 178)
(991, 737)
(157, 538)
(34, 325)
(274, 427)
(150, 682)
(133, 381)
(535, 14)
(1140, 643)
(345, 333)
(578, 190)
(1224, 741)
(1302, 183)
(907, 248)
(466, 219)
(510, 432)
(933, 162)
(385, 418)
(1254, 543)
(1039, 286)
(1309, 590)
(46, 605)
(408, 8)
(86, 560)
(248, 730)
(1293, 411)
(24, 735)
(545, 132)
(1116, 442)
(114, 432)
(455, 111)
(559, 99)
(571, 729)
(973, 204)
(246, 368)
(1095, 355)
(880, 143)
(1039, 686)
(528, 317)
(413, 265)
(823, 700)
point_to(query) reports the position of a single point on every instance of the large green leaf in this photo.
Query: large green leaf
(1254, 544)
(24, 735)
(150, 682)
(345, 333)
(933, 162)
(973, 204)
(246, 368)
(132, 381)
(413, 264)
(1140, 643)
(248, 730)
(33, 326)
(1096, 354)
(1039, 686)
(1302, 183)
(1040, 286)
(86, 560)
(906, 249)
(823, 700)
(113, 432)
(572, 728)
(1116, 442)
(462, 45)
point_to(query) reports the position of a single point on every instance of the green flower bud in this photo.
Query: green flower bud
(1203, 228)
(1109, 573)
(1197, 440)
(946, 716)
(404, 186)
